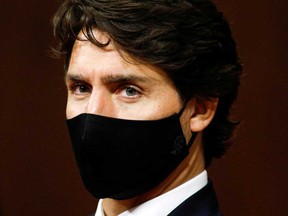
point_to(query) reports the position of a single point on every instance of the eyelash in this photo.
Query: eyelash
(73, 87)
(117, 89)
(126, 87)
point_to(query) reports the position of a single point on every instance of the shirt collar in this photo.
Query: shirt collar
(165, 203)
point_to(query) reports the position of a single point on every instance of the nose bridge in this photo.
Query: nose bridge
(97, 103)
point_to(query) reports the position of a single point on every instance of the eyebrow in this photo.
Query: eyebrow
(122, 78)
(73, 77)
(110, 79)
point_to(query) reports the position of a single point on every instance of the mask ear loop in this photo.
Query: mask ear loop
(193, 137)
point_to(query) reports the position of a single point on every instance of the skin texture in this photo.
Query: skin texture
(105, 82)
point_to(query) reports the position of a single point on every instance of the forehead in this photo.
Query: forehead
(87, 58)
(83, 47)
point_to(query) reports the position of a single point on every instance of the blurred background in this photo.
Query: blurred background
(38, 174)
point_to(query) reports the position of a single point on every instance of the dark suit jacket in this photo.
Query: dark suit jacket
(202, 203)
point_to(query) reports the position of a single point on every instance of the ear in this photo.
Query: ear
(202, 113)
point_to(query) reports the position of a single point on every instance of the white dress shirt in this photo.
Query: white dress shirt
(165, 203)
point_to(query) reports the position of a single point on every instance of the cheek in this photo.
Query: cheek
(74, 108)
(69, 111)
(166, 105)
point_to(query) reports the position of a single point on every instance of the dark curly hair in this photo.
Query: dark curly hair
(189, 39)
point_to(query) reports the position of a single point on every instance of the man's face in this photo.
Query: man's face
(101, 82)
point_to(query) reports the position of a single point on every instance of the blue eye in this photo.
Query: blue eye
(131, 91)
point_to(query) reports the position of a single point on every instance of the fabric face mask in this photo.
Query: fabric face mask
(120, 158)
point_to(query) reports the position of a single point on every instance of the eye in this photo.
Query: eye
(129, 92)
(80, 88)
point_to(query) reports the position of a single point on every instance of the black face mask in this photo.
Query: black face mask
(120, 158)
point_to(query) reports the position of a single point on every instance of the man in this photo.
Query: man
(150, 85)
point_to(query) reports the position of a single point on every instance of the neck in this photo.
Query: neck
(190, 167)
